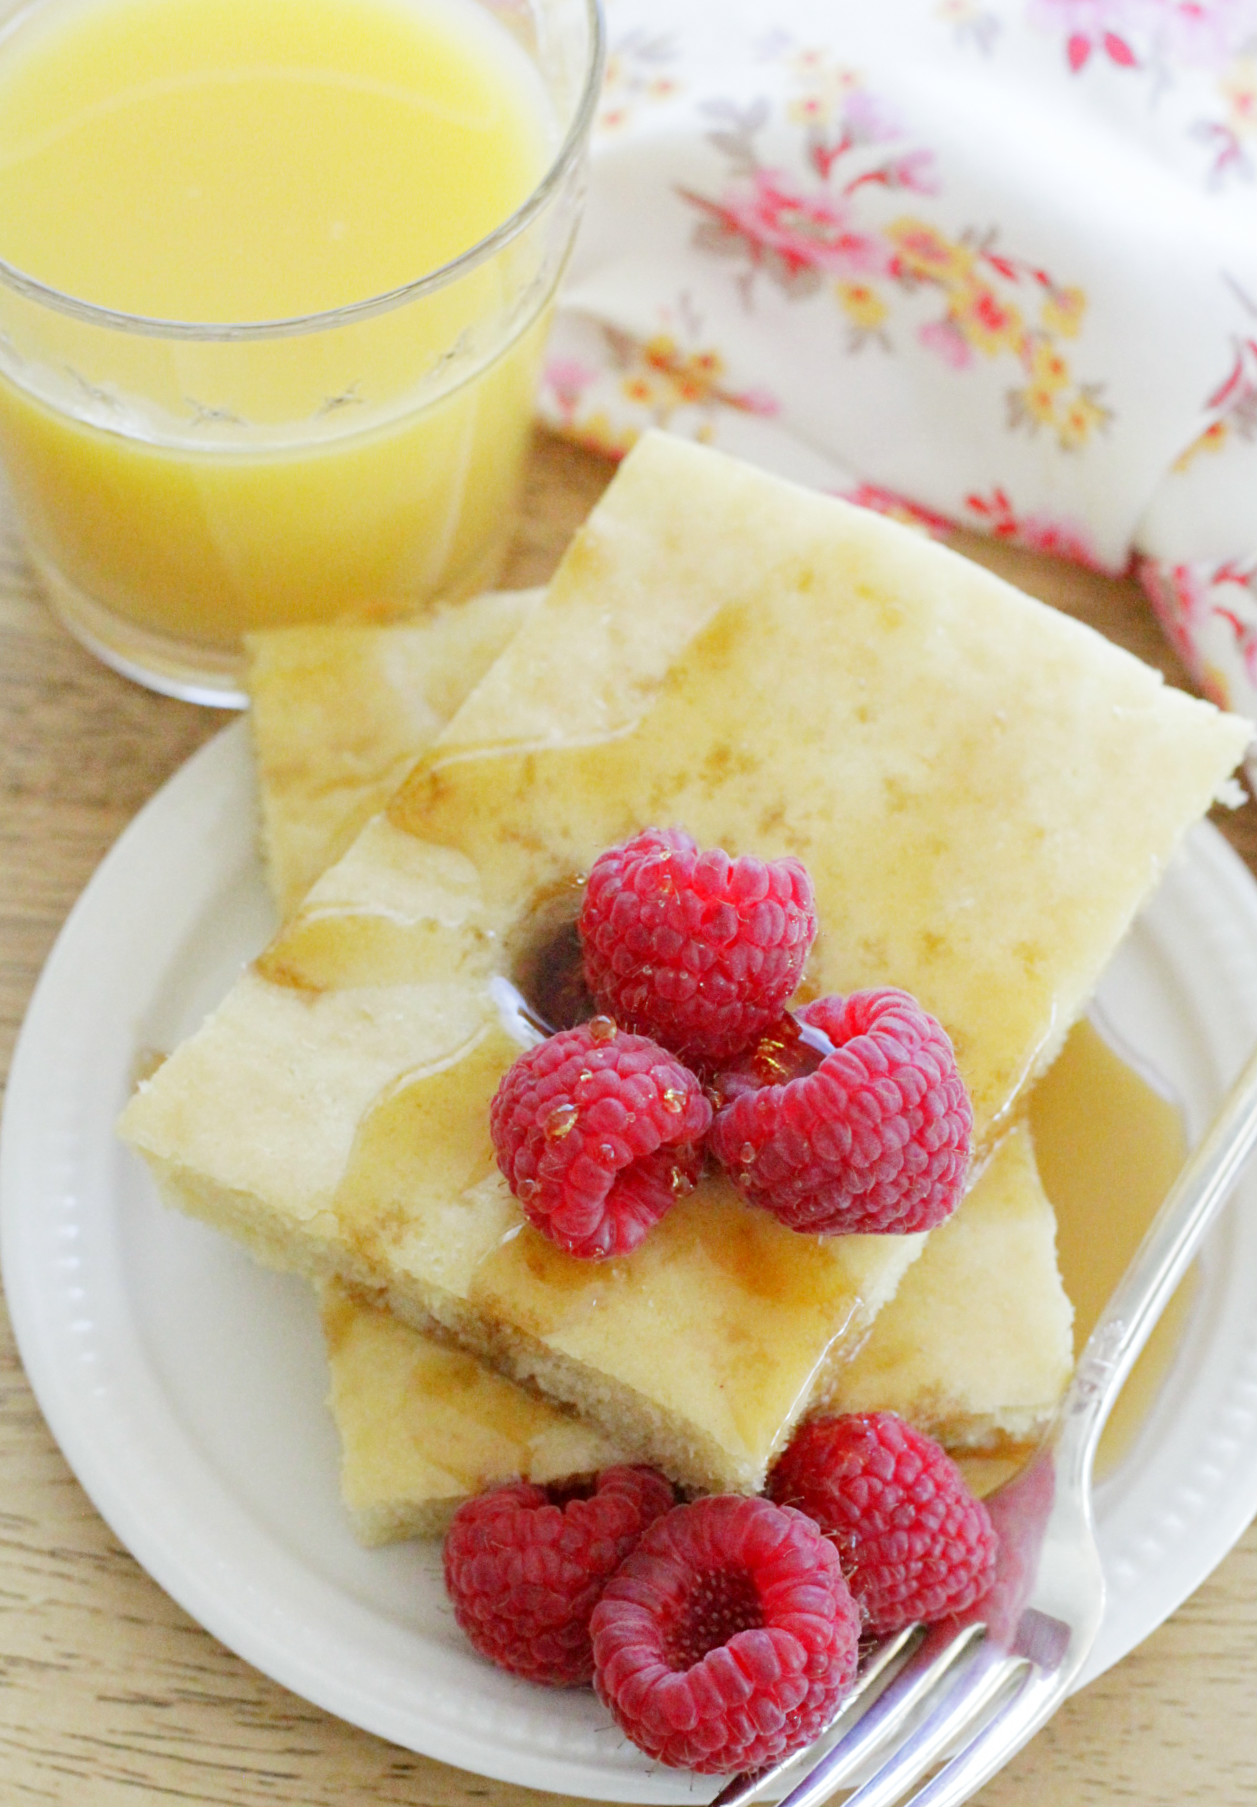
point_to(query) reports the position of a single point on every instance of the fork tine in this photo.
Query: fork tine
(934, 1661)
(934, 1657)
(873, 1667)
(1003, 1735)
(964, 1689)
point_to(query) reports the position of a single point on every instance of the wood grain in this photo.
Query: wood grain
(109, 1695)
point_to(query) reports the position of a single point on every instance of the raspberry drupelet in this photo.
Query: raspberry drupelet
(848, 1117)
(727, 1638)
(598, 1133)
(525, 1566)
(698, 950)
(914, 1543)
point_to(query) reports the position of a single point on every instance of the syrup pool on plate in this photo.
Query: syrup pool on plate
(260, 161)
(1109, 1147)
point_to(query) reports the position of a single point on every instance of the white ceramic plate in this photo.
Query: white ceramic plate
(185, 1384)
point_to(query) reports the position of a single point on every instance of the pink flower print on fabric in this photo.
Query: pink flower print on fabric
(974, 277)
(1070, 540)
(993, 515)
(989, 323)
(914, 171)
(925, 253)
(1230, 135)
(1232, 405)
(805, 234)
(775, 218)
(1160, 39)
(638, 72)
(1209, 613)
(898, 508)
(1205, 34)
(664, 376)
(622, 384)
(869, 120)
(945, 339)
(566, 380)
(1037, 531)
(799, 230)
(1179, 599)
(1088, 25)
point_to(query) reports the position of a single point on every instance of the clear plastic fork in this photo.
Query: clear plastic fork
(938, 1712)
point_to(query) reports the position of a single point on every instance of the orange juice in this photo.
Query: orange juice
(261, 161)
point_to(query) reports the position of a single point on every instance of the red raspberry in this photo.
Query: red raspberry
(698, 950)
(598, 1133)
(914, 1543)
(872, 1135)
(728, 1636)
(524, 1567)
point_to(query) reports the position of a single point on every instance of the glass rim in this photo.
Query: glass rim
(154, 327)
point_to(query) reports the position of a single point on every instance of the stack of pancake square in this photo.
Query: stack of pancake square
(983, 792)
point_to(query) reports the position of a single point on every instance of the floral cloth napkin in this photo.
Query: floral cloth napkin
(979, 262)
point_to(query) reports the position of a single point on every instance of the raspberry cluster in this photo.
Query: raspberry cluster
(845, 1116)
(723, 1634)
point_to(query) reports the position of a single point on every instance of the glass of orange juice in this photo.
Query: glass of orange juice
(275, 277)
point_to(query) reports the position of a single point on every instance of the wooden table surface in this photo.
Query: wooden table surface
(109, 1695)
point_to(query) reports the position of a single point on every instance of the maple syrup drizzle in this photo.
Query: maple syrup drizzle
(1094, 1120)
(1107, 1143)
(773, 1302)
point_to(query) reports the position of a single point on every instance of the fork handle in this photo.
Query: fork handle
(1158, 1265)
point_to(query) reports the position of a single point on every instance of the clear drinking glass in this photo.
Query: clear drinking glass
(181, 484)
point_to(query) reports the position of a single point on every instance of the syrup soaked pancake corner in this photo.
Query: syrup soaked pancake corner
(983, 792)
